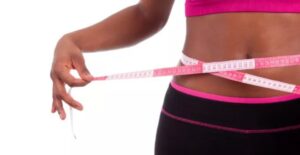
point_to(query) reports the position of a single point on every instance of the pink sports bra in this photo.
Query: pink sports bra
(204, 7)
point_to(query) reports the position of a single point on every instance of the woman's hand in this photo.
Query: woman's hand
(126, 27)
(67, 56)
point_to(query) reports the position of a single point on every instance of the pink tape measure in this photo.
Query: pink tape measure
(225, 69)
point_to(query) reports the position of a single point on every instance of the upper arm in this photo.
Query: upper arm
(157, 10)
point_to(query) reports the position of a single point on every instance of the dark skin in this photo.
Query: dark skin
(209, 38)
(229, 36)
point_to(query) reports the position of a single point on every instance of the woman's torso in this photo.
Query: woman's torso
(228, 36)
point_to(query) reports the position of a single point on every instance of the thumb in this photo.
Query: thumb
(82, 70)
(84, 73)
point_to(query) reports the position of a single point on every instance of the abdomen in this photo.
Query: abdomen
(229, 36)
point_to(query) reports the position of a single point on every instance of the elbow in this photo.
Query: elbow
(161, 22)
(156, 24)
(154, 20)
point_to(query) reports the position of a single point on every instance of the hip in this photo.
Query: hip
(194, 122)
(237, 114)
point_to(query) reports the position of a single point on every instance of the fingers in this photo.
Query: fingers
(60, 93)
(53, 110)
(64, 75)
(61, 76)
(73, 103)
(70, 80)
(57, 104)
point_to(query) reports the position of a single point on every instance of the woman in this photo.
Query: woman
(204, 114)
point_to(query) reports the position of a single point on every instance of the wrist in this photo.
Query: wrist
(70, 39)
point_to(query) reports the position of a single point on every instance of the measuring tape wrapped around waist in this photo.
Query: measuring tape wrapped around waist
(225, 69)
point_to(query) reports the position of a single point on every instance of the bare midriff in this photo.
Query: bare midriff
(229, 36)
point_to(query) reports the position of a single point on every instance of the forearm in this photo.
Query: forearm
(125, 28)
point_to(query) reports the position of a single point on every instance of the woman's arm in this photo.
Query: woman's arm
(124, 28)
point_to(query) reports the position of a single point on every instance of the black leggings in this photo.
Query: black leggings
(191, 125)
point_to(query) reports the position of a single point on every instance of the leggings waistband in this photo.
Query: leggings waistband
(244, 118)
(244, 100)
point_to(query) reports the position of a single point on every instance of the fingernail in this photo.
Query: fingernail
(60, 115)
(80, 107)
(63, 117)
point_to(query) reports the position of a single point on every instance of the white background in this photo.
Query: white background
(120, 117)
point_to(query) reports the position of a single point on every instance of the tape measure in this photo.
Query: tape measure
(225, 69)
